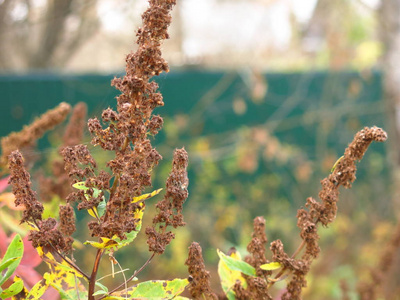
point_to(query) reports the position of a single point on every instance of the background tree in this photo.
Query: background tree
(43, 36)
(389, 22)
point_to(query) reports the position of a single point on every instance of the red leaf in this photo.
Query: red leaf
(4, 183)
(31, 258)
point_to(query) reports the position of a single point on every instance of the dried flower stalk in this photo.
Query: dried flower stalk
(323, 212)
(28, 136)
(59, 183)
(47, 234)
(200, 278)
(170, 208)
(126, 132)
(315, 213)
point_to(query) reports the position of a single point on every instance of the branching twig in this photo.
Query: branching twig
(130, 278)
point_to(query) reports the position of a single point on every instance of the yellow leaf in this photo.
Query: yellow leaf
(138, 214)
(146, 196)
(8, 199)
(54, 265)
(271, 266)
(93, 212)
(105, 244)
(62, 277)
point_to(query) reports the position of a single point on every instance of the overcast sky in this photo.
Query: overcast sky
(210, 26)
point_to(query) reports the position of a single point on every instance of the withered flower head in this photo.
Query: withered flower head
(21, 187)
(76, 156)
(170, 208)
(50, 237)
(46, 233)
(323, 212)
(59, 183)
(74, 132)
(67, 219)
(126, 132)
(29, 134)
(199, 286)
(256, 247)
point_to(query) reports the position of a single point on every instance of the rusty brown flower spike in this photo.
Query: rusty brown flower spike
(128, 128)
(170, 208)
(200, 278)
(323, 212)
(28, 136)
(76, 125)
(256, 247)
(20, 181)
(47, 234)
(125, 131)
(59, 182)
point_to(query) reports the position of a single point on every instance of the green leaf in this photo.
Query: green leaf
(336, 163)
(115, 242)
(271, 266)
(5, 264)
(130, 236)
(101, 208)
(95, 211)
(80, 186)
(237, 265)
(102, 286)
(14, 250)
(229, 277)
(153, 289)
(100, 292)
(67, 284)
(13, 289)
(103, 289)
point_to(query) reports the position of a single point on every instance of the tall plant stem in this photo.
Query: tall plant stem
(92, 280)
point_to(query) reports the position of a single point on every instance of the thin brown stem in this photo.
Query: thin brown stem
(92, 281)
(74, 266)
(71, 263)
(114, 186)
(295, 253)
(281, 272)
(130, 278)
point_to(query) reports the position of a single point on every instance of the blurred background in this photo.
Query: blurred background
(264, 94)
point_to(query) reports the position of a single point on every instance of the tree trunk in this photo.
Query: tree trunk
(389, 20)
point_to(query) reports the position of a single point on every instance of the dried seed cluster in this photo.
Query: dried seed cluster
(47, 235)
(308, 218)
(200, 278)
(59, 183)
(323, 212)
(170, 208)
(28, 136)
(125, 131)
